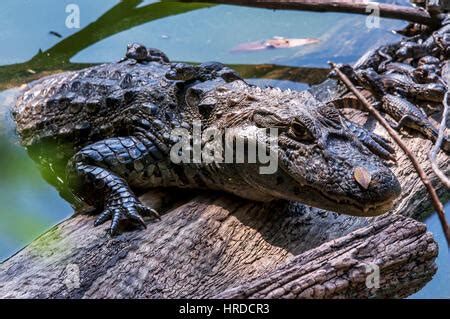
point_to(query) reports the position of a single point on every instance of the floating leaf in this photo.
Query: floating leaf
(362, 176)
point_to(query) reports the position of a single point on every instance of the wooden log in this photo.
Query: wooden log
(412, 14)
(213, 243)
(330, 269)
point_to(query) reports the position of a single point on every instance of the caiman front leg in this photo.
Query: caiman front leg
(374, 142)
(377, 144)
(100, 174)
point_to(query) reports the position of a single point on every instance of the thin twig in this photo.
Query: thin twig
(423, 176)
(434, 151)
(351, 6)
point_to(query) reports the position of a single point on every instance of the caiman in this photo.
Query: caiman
(103, 135)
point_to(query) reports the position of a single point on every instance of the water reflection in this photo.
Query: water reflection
(439, 286)
(28, 205)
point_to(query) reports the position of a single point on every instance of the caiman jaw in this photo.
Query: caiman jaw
(348, 207)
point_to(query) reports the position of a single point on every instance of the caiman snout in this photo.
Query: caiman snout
(377, 192)
(365, 186)
(343, 178)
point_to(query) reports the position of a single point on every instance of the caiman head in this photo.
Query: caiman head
(320, 161)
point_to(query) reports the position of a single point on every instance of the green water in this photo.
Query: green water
(185, 32)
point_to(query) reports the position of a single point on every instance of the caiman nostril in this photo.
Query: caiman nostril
(362, 177)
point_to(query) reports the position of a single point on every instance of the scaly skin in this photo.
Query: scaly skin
(408, 115)
(103, 134)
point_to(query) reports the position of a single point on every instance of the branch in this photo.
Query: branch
(360, 7)
(425, 180)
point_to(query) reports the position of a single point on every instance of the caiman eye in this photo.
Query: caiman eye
(300, 132)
